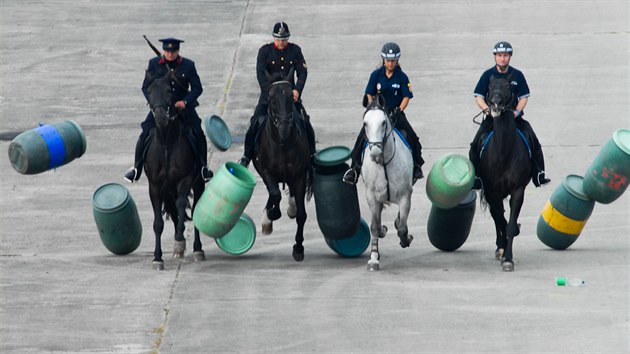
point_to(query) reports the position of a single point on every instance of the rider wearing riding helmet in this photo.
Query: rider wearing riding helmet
(184, 76)
(392, 83)
(520, 92)
(277, 58)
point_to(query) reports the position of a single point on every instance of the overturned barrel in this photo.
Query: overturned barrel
(222, 203)
(354, 245)
(608, 176)
(449, 181)
(240, 238)
(448, 229)
(336, 202)
(46, 147)
(565, 214)
(116, 218)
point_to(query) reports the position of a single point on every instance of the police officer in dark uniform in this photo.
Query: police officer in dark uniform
(185, 77)
(393, 84)
(520, 91)
(278, 57)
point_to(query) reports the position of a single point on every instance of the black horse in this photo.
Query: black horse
(504, 169)
(283, 157)
(171, 168)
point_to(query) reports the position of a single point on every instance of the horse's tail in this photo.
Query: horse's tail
(482, 200)
(309, 183)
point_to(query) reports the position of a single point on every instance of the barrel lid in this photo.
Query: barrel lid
(333, 155)
(218, 132)
(110, 197)
(573, 185)
(458, 170)
(354, 245)
(622, 139)
(240, 238)
(471, 197)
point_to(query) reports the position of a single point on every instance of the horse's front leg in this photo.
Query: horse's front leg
(512, 229)
(158, 227)
(378, 231)
(298, 248)
(496, 210)
(272, 209)
(401, 221)
(198, 253)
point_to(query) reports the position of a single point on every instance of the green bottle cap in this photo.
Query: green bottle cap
(560, 281)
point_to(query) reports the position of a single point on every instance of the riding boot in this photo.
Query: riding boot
(310, 134)
(538, 161)
(352, 174)
(249, 145)
(133, 174)
(418, 161)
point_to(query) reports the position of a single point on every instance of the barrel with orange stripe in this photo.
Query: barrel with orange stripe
(565, 214)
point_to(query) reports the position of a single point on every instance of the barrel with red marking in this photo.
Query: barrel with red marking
(608, 176)
(564, 216)
(46, 147)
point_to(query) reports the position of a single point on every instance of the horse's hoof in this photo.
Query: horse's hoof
(498, 254)
(274, 213)
(179, 247)
(267, 229)
(298, 253)
(406, 242)
(199, 256)
(158, 265)
(508, 266)
(373, 267)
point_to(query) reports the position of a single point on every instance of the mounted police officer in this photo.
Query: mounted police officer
(278, 57)
(520, 91)
(184, 76)
(392, 83)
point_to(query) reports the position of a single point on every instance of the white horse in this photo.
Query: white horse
(387, 175)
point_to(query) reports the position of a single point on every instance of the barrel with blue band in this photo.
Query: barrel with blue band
(55, 144)
(46, 147)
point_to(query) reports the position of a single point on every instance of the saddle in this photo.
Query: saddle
(190, 137)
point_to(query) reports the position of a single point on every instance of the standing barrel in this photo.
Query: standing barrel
(608, 176)
(336, 202)
(224, 200)
(116, 218)
(46, 147)
(565, 214)
(449, 181)
(354, 245)
(448, 229)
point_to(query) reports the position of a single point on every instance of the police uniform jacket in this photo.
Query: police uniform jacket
(517, 80)
(185, 77)
(393, 89)
(274, 61)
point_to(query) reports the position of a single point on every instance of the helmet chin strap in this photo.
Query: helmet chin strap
(502, 69)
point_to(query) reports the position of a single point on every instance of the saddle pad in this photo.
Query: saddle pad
(520, 133)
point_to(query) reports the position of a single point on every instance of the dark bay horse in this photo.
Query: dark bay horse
(171, 168)
(283, 157)
(504, 169)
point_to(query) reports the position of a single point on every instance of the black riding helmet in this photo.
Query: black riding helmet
(390, 51)
(502, 47)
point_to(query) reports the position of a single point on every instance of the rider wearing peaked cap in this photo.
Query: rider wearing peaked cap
(502, 52)
(277, 58)
(186, 88)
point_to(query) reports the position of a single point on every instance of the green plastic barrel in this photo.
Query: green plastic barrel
(240, 238)
(448, 229)
(354, 245)
(336, 202)
(224, 200)
(608, 176)
(565, 214)
(46, 147)
(116, 218)
(449, 181)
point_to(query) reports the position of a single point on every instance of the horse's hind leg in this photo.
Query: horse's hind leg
(292, 208)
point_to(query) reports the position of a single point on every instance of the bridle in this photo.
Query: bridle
(386, 134)
(276, 118)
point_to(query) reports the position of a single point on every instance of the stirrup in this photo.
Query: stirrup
(132, 175)
(206, 174)
(350, 177)
(244, 161)
(540, 180)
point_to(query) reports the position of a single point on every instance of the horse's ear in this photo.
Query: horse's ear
(380, 100)
(290, 75)
(365, 100)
